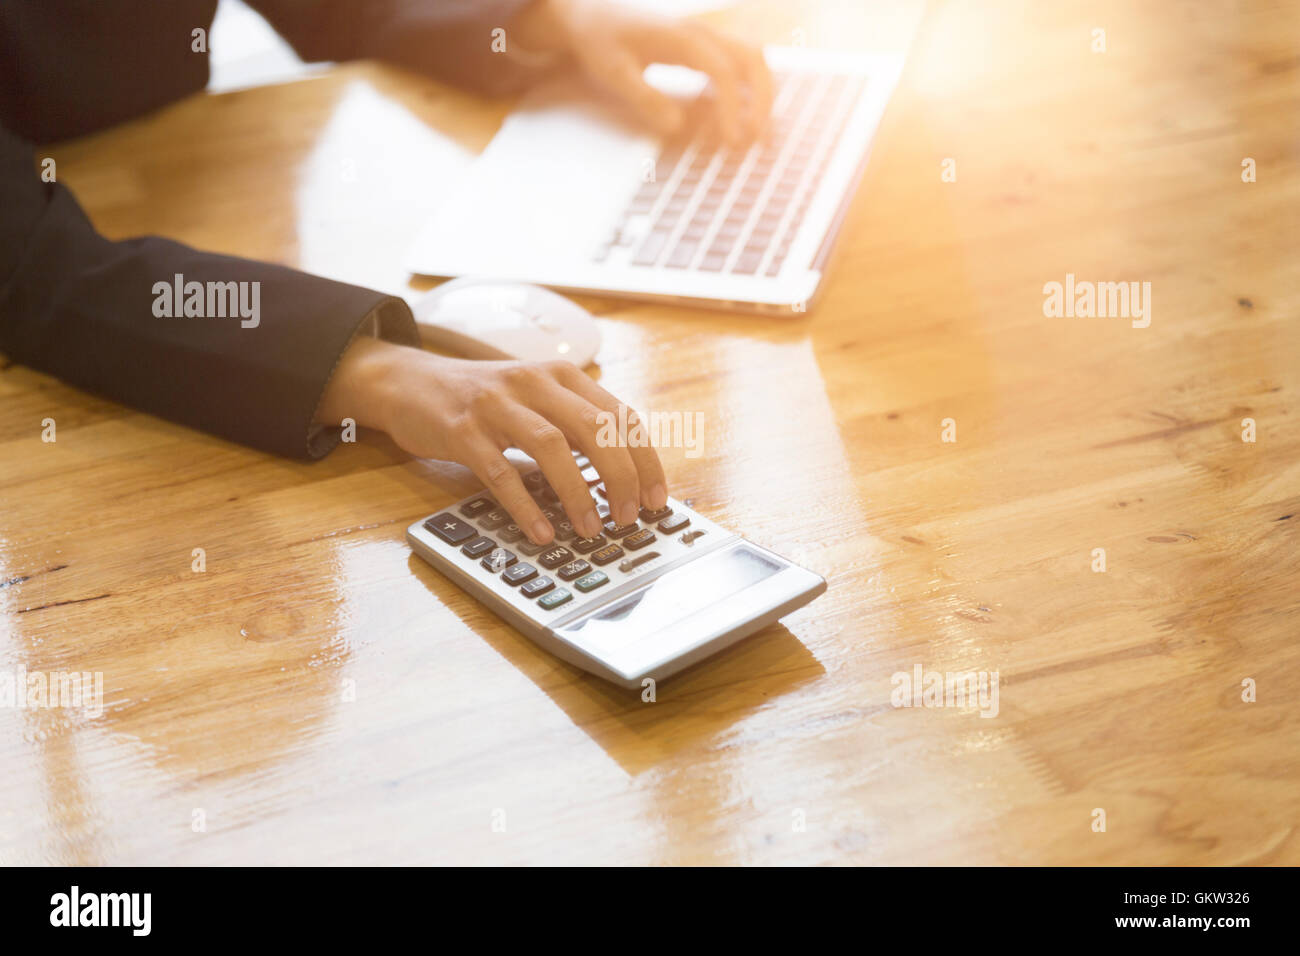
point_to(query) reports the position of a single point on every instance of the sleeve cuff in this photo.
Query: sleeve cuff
(390, 320)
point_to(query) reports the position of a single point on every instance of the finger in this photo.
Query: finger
(651, 485)
(699, 49)
(545, 444)
(622, 75)
(585, 423)
(617, 471)
(501, 479)
(757, 77)
(649, 469)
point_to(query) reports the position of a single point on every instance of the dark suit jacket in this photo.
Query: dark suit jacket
(82, 308)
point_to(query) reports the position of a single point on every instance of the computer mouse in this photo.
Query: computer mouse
(491, 319)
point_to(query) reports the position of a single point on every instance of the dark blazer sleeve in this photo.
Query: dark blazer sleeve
(82, 308)
(449, 39)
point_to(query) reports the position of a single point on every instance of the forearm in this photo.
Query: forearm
(135, 320)
(454, 40)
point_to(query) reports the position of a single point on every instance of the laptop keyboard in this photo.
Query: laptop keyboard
(711, 209)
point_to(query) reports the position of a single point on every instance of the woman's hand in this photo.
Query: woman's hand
(471, 411)
(613, 44)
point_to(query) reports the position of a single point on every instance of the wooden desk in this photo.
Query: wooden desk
(228, 691)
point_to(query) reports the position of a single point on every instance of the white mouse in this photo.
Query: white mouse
(490, 319)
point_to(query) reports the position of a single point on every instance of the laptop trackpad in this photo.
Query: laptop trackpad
(546, 189)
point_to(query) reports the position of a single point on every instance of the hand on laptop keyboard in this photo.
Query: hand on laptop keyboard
(612, 45)
(470, 411)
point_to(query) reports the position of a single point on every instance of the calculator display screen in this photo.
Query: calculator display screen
(675, 596)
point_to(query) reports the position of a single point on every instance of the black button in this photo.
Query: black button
(639, 540)
(450, 528)
(574, 569)
(536, 586)
(530, 549)
(564, 530)
(675, 523)
(472, 509)
(519, 573)
(650, 517)
(588, 545)
(498, 560)
(510, 533)
(478, 547)
(616, 530)
(494, 519)
(608, 555)
(555, 557)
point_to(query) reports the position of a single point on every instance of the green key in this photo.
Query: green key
(554, 599)
(591, 581)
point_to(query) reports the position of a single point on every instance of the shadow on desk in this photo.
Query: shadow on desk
(691, 709)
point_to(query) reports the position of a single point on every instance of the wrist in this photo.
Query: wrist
(361, 387)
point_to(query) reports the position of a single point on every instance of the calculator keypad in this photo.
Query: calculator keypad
(478, 547)
(675, 523)
(591, 581)
(518, 573)
(554, 599)
(607, 555)
(574, 569)
(498, 560)
(474, 508)
(621, 549)
(450, 528)
(639, 539)
(555, 557)
(537, 587)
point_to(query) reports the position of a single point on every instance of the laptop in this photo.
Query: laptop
(569, 195)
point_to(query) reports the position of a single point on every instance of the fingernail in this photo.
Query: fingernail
(591, 525)
(627, 513)
(658, 497)
(542, 531)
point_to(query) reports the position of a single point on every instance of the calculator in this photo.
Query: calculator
(642, 600)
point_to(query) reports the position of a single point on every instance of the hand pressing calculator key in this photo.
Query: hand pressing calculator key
(640, 600)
